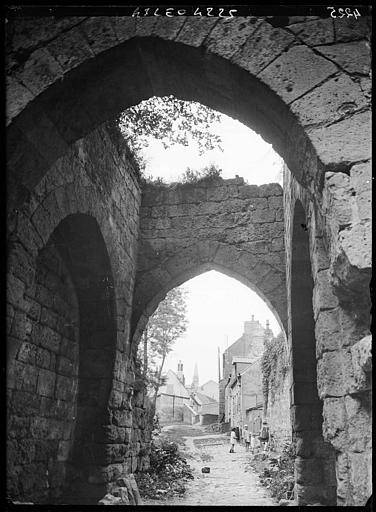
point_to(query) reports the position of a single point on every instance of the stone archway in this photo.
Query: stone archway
(315, 461)
(66, 361)
(271, 89)
(271, 78)
(224, 224)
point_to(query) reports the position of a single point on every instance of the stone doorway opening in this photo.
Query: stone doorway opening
(315, 459)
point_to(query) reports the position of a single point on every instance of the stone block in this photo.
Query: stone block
(315, 32)
(24, 404)
(44, 358)
(334, 424)
(65, 387)
(99, 33)
(343, 142)
(315, 495)
(329, 101)
(323, 296)
(330, 378)
(348, 29)
(15, 292)
(308, 471)
(262, 47)
(39, 71)
(356, 380)
(63, 451)
(327, 331)
(359, 423)
(305, 417)
(360, 464)
(48, 338)
(122, 418)
(46, 383)
(18, 96)
(353, 57)
(70, 49)
(296, 72)
(195, 30)
(26, 353)
(65, 366)
(124, 27)
(230, 34)
(361, 183)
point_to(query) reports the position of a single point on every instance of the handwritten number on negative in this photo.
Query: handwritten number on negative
(344, 12)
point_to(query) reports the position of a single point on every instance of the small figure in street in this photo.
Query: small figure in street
(254, 442)
(246, 438)
(232, 440)
(264, 435)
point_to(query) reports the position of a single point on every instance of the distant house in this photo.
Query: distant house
(243, 393)
(171, 399)
(210, 388)
(205, 407)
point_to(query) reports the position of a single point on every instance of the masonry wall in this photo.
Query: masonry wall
(43, 401)
(340, 251)
(278, 412)
(95, 188)
(213, 224)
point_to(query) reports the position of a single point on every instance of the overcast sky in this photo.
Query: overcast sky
(245, 154)
(217, 305)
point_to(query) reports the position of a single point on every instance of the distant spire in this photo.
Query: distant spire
(267, 324)
(253, 318)
(195, 381)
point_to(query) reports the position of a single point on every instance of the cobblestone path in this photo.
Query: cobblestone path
(230, 481)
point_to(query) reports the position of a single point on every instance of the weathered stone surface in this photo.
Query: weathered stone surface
(195, 30)
(315, 32)
(296, 72)
(99, 33)
(328, 332)
(263, 46)
(240, 29)
(329, 101)
(330, 381)
(348, 29)
(353, 57)
(71, 49)
(334, 424)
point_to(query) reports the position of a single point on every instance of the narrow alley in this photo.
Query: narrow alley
(230, 482)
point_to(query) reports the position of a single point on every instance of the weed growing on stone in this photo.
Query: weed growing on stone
(276, 472)
(168, 473)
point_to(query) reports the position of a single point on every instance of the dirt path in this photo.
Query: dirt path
(230, 481)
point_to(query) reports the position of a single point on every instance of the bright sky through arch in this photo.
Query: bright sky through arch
(245, 154)
(217, 307)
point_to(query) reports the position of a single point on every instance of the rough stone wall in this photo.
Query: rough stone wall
(43, 400)
(214, 224)
(95, 180)
(278, 411)
(304, 84)
(341, 299)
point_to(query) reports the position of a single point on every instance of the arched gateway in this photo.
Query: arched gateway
(304, 85)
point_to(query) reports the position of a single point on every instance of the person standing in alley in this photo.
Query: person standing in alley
(264, 435)
(246, 437)
(232, 440)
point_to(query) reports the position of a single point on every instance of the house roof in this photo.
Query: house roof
(173, 386)
(201, 399)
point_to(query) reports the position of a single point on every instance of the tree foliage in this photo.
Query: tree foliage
(170, 120)
(274, 364)
(164, 328)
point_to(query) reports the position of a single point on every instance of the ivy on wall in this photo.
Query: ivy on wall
(274, 366)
